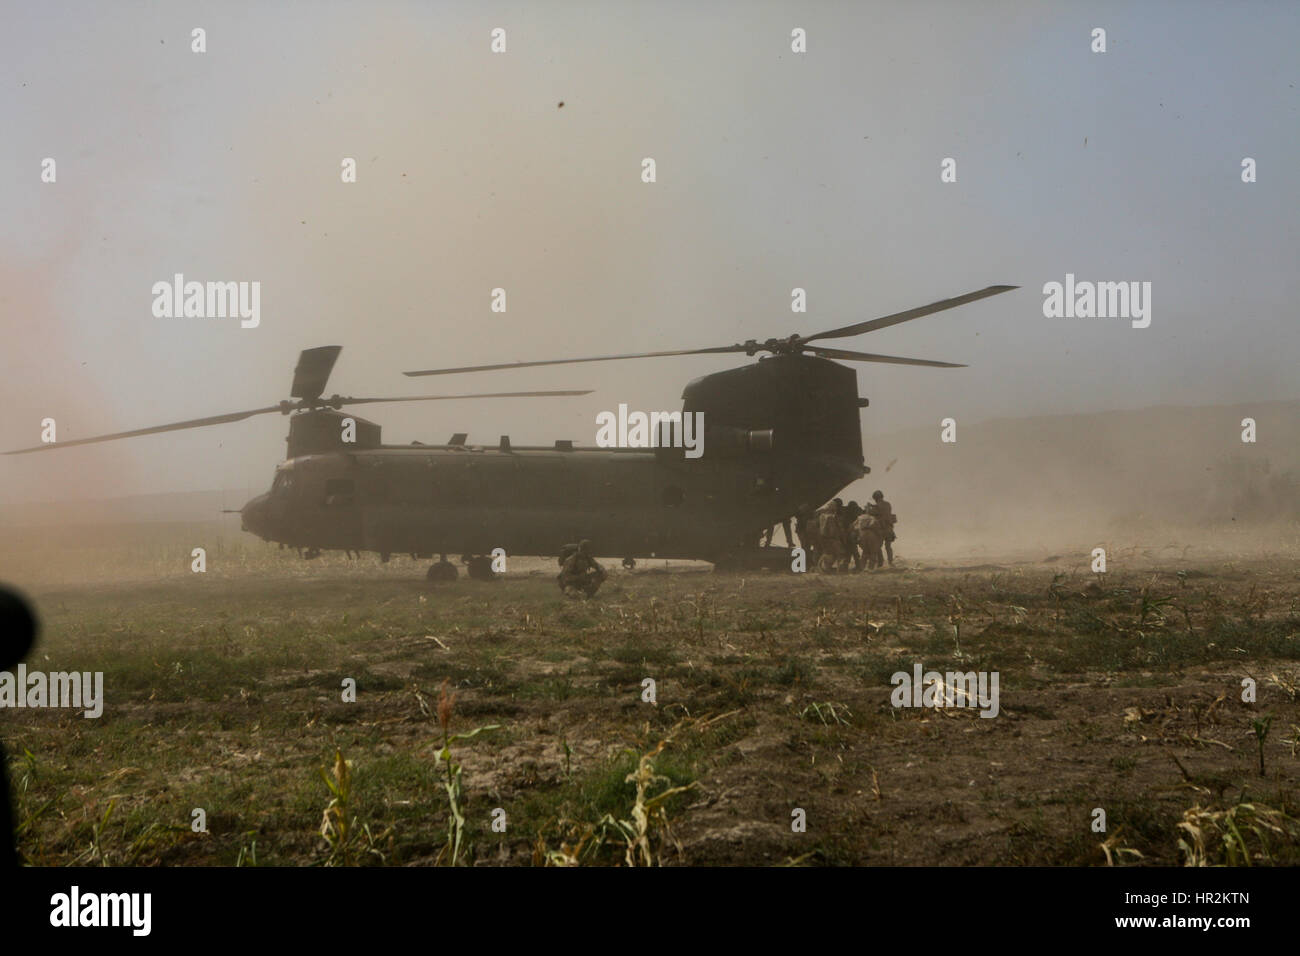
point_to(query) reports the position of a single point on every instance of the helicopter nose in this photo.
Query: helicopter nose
(253, 516)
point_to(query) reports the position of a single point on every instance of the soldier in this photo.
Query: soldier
(771, 533)
(867, 530)
(581, 573)
(805, 525)
(852, 511)
(830, 536)
(883, 510)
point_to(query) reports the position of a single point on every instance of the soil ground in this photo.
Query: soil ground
(224, 691)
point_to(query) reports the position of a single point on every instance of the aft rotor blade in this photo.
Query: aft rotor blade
(574, 361)
(174, 426)
(873, 324)
(438, 398)
(313, 371)
(825, 352)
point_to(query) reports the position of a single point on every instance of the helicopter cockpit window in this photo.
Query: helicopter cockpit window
(283, 484)
(340, 492)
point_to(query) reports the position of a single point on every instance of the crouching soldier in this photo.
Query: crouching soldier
(580, 573)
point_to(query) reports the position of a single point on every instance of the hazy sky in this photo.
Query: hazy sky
(775, 170)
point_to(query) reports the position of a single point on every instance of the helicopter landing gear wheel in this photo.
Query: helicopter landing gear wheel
(444, 572)
(479, 568)
(629, 563)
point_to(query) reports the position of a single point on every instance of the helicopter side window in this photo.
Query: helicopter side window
(340, 492)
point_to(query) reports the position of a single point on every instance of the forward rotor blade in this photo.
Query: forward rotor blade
(313, 371)
(825, 352)
(873, 324)
(438, 398)
(174, 426)
(603, 358)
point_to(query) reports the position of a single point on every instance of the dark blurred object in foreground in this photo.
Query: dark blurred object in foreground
(17, 634)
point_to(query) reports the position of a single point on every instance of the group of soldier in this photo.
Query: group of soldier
(837, 536)
(834, 537)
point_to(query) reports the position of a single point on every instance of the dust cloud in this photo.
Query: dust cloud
(1163, 479)
(774, 172)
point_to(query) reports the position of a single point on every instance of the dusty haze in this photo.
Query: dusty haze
(775, 170)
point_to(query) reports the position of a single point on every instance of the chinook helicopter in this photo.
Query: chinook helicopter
(783, 434)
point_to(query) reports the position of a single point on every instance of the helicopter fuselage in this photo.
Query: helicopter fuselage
(783, 435)
(427, 500)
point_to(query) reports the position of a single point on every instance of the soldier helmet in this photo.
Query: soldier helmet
(878, 495)
(584, 546)
(839, 502)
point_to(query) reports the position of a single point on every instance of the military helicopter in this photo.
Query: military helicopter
(782, 434)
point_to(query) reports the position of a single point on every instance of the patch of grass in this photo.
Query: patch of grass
(657, 654)
(795, 670)
(1244, 834)
(1123, 764)
(222, 693)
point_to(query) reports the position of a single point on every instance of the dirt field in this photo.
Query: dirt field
(224, 691)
